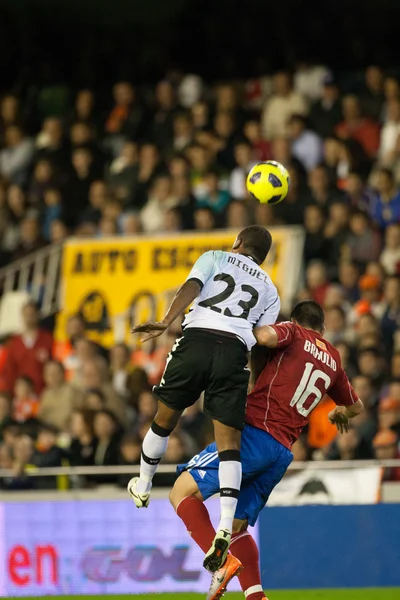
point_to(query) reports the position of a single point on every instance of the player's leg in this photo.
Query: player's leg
(225, 402)
(244, 548)
(153, 448)
(187, 500)
(181, 385)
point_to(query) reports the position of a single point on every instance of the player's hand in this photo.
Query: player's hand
(338, 416)
(152, 329)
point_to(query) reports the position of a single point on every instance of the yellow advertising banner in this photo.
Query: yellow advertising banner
(117, 281)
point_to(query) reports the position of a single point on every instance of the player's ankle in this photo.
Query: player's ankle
(143, 486)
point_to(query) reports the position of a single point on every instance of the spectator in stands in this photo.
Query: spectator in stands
(130, 451)
(261, 147)
(224, 127)
(28, 352)
(25, 402)
(244, 163)
(95, 375)
(123, 174)
(176, 451)
(317, 280)
(5, 412)
(16, 157)
(83, 443)
(131, 224)
(195, 424)
(58, 232)
(160, 201)
(149, 168)
(348, 275)
(126, 120)
(326, 113)
(204, 219)
(107, 432)
(31, 238)
(15, 212)
(363, 242)
(84, 109)
(59, 398)
(43, 178)
(307, 146)
(237, 215)
(359, 196)
(385, 445)
(335, 322)
(47, 454)
(315, 243)
(321, 192)
(390, 310)
(21, 456)
(395, 366)
(128, 380)
(291, 211)
(9, 114)
(372, 98)
(391, 91)
(214, 197)
(386, 208)
(283, 103)
(390, 255)
(371, 364)
(364, 388)
(50, 144)
(52, 211)
(163, 118)
(389, 134)
(363, 130)
(346, 447)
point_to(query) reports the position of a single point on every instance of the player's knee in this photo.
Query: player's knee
(184, 486)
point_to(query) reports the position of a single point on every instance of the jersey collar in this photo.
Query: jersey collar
(249, 256)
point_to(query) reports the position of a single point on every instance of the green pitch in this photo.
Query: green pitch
(348, 594)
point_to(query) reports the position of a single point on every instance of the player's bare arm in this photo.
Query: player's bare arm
(266, 336)
(342, 415)
(183, 298)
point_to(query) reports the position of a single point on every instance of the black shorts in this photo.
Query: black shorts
(204, 361)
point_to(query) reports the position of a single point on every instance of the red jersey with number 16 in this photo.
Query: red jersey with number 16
(303, 368)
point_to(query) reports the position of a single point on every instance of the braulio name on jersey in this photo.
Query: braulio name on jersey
(236, 295)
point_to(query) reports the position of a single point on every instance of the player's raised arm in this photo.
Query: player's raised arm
(184, 297)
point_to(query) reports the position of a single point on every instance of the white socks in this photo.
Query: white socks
(154, 445)
(230, 478)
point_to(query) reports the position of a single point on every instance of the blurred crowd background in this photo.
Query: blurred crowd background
(169, 154)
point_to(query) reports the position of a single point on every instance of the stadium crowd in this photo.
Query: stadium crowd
(176, 159)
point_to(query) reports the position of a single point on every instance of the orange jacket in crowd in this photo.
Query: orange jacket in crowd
(320, 432)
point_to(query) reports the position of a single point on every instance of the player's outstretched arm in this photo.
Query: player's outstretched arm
(266, 336)
(183, 298)
(341, 415)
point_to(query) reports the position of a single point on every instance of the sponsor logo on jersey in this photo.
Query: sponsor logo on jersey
(324, 357)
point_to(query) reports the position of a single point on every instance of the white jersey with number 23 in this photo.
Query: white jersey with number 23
(236, 295)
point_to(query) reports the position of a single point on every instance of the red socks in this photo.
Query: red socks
(197, 520)
(245, 549)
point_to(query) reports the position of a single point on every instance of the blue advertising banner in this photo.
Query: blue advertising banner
(98, 547)
(330, 546)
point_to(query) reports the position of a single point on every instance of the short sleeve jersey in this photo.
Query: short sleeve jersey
(303, 368)
(236, 295)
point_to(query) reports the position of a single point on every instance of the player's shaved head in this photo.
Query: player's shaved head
(309, 314)
(255, 241)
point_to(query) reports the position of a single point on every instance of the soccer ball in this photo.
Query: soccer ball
(268, 182)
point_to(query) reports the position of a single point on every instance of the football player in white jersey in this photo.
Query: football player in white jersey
(231, 295)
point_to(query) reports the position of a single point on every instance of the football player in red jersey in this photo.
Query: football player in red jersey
(287, 384)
